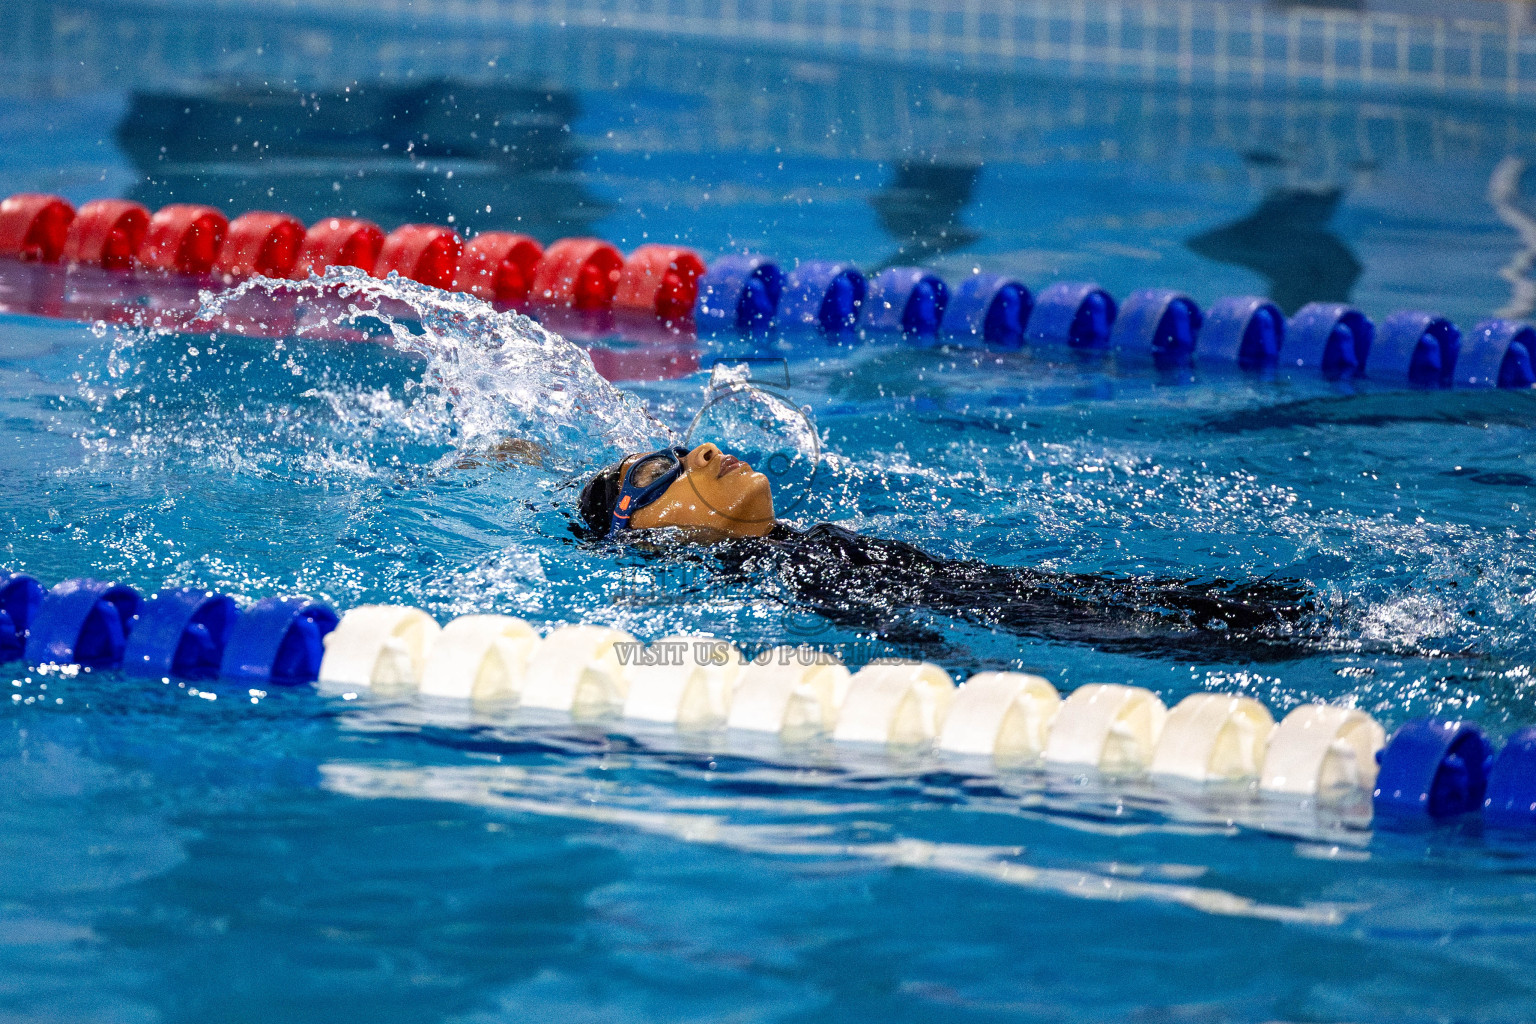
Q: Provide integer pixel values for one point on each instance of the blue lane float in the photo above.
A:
(990, 308)
(278, 641)
(1432, 769)
(1075, 314)
(1246, 329)
(908, 300)
(1159, 321)
(83, 622)
(1498, 353)
(20, 598)
(1511, 798)
(739, 293)
(1425, 343)
(822, 296)
(1331, 337)
(181, 633)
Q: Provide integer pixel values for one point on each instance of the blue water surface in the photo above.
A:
(180, 852)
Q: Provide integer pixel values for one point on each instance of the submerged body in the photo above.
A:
(898, 594)
(893, 591)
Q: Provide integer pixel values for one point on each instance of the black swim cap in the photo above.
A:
(598, 496)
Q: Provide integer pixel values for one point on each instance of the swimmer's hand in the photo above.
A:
(504, 454)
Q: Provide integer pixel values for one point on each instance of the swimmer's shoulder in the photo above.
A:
(829, 539)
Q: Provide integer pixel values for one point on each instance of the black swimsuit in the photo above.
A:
(891, 591)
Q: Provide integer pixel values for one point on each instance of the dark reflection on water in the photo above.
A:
(920, 208)
(476, 156)
(1287, 241)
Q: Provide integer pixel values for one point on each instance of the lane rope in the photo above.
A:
(673, 288)
(1427, 770)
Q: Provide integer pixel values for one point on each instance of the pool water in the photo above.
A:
(189, 852)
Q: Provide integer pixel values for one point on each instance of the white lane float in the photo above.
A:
(479, 658)
(796, 692)
(1320, 747)
(1004, 715)
(1107, 726)
(380, 647)
(687, 681)
(792, 691)
(900, 704)
(1213, 737)
(578, 669)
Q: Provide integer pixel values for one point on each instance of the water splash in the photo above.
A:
(759, 422)
(490, 375)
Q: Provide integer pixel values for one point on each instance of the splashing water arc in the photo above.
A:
(490, 375)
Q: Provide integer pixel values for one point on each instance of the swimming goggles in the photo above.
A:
(661, 469)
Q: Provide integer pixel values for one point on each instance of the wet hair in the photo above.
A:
(598, 496)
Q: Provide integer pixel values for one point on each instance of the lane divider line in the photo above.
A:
(1427, 770)
(738, 293)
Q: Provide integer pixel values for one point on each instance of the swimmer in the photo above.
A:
(891, 590)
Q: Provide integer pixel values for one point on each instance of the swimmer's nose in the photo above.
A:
(702, 456)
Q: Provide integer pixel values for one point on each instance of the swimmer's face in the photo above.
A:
(717, 495)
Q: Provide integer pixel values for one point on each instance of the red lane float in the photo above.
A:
(427, 253)
(500, 266)
(339, 242)
(184, 243)
(660, 279)
(183, 238)
(33, 227)
(106, 233)
(261, 243)
(582, 273)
